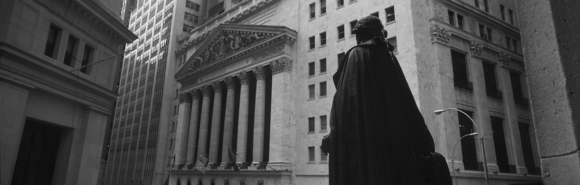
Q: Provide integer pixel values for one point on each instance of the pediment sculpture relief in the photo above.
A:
(225, 43)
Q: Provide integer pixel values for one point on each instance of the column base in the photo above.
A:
(223, 166)
(277, 165)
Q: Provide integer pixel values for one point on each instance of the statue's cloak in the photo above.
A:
(377, 131)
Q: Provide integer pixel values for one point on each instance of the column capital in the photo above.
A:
(229, 82)
(217, 87)
(194, 95)
(283, 64)
(504, 59)
(205, 90)
(259, 72)
(184, 97)
(475, 48)
(243, 76)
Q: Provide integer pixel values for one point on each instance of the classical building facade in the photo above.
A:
(58, 74)
(256, 88)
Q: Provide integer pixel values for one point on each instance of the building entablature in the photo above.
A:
(230, 43)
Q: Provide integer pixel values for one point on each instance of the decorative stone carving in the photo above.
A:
(472, 26)
(283, 64)
(225, 43)
(184, 97)
(205, 90)
(268, 53)
(217, 87)
(439, 13)
(475, 47)
(504, 59)
(229, 82)
(243, 76)
(439, 34)
(259, 72)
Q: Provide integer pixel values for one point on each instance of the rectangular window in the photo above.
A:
(174, 109)
(482, 32)
(460, 70)
(515, 42)
(323, 122)
(322, 7)
(490, 80)
(486, 5)
(322, 89)
(339, 3)
(311, 155)
(352, 25)
(323, 157)
(468, 144)
(311, 124)
(489, 33)
(340, 56)
(476, 3)
(460, 21)
(376, 14)
(312, 42)
(87, 59)
(527, 149)
(340, 30)
(502, 11)
(393, 41)
(511, 13)
(390, 13)
(508, 42)
(451, 17)
(323, 65)
(517, 89)
(51, 47)
(500, 147)
(311, 91)
(311, 69)
(70, 48)
(323, 38)
(312, 11)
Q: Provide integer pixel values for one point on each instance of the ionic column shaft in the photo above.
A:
(204, 127)
(182, 128)
(280, 114)
(215, 124)
(243, 119)
(259, 113)
(191, 144)
(228, 122)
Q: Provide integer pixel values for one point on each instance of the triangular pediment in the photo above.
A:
(229, 41)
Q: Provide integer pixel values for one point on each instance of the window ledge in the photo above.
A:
(322, 131)
(312, 132)
(310, 76)
(312, 18)
(311, 162)
(312, 49)
(351, 1)
(340, 7)
(322, 14)
(322, 46)
(389, 23)
(323, 162)
(341, 39)
(310, 99)
(322, 73)
(322, 97)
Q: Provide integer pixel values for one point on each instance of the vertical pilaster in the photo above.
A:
(259, 114)
(204, 122)
(193, 123)
(215, 123)
(243, 118)
(228, 121)
(280, 113)
(182, 131)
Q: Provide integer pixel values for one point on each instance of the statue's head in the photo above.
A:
(367, 28)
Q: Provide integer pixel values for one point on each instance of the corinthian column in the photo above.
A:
(203, 128)
(259, 114)
(280, 114)
(183, 127)
(191, 144)
(243, 118)
(228, 121)
(215, 123)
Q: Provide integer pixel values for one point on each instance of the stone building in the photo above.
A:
(255, 87)
(58, 74)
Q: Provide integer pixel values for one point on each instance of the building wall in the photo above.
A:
(38, 87)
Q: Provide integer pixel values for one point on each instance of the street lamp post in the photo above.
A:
(437, 112)
(453, 154)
